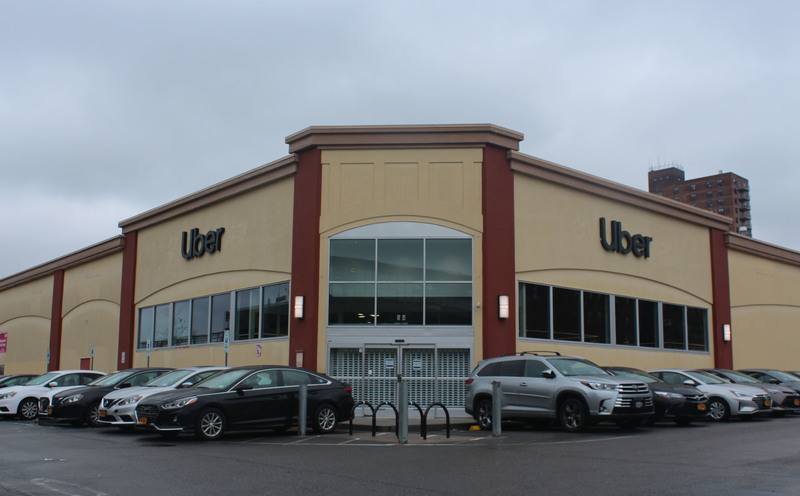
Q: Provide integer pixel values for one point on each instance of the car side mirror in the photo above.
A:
(689, 382)
(125, 385)
(549, 374)
(185, 385)
(774, 381)
(241, 389)
(52, 384)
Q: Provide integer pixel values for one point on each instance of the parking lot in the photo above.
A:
(758, 457)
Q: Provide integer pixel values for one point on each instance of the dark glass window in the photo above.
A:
(161, 334)
(400, 259)
(674, 335)
(200, 320)
(511, 368)
(566, 314)
(352, 260)
(448, 260)
(697, 320)
(534, 311)
(275, 311)
(351, 304)
(625, 316)
(399, 304)
(596, 318)
(180, 323)
(147, 319)
(220, 316)
(247, 314)
(648, 324)
(448, 304)
(534, 368)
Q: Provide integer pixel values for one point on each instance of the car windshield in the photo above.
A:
(705, 377)
(223, 380)
(576, 366)
(783, 376)
(739, 377)
(42, 379)
(170, 378)
(112, 379)
(636, 374)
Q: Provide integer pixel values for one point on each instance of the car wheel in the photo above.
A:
(718, 410)
(324, 419)
(483, 414)
(28, 409)
(93, 415)
(572, 415)
(210, 425)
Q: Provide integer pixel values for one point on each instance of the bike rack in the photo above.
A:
(423, 416)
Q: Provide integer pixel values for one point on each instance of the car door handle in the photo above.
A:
(523, 383)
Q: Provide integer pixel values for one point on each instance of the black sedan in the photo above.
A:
(80, 405)
(680, 403)
(252, 397)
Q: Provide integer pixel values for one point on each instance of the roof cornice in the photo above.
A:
(234, 186)
(403, 136)
(571, 178)
(762, 249)
(93, 252)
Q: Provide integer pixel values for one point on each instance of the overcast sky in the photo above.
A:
(111, 108)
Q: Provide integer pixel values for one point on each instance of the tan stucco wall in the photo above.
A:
(557, 237)
(90, 313)
(256, 250)
(435, 186)
(25, 316)
(273, 352)
(765, 312)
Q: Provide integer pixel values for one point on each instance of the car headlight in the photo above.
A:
(600, 385)
(179, 403)
(130, 400)
(72, 399)
(742, 395)
(7, 395)
(772, 391)
(669, 396)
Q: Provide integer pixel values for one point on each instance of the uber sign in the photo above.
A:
(622, 241)
(199, 244)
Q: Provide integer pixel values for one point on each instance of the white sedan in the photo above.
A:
(24, 400)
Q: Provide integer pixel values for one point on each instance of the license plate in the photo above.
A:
(50, 411)
(796, 402)
(701, 406)
(101, 413)
(639, 404)
(142, 420)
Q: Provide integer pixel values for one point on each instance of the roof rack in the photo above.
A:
(537, 353)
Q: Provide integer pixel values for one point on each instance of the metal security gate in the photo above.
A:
(433, 374)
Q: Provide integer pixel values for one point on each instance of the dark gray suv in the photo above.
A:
(546, 385)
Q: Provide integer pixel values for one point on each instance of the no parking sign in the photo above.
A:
(258, 349)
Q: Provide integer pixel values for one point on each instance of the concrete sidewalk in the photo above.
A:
(388, 422)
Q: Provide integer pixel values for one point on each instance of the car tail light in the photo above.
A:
(348, 389)
(470, 381)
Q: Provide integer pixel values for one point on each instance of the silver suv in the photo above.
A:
(546, 385)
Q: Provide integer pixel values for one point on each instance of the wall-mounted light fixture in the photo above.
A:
(726, 332)
(298, 307)
(502, 310)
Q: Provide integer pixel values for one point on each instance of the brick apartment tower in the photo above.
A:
(725, 193)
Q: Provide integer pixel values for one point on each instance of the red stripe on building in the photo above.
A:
(127, 308)
(305, 258)
(721, 308)
(55, 321)
(499, 335)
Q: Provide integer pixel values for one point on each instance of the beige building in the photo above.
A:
(372, 252)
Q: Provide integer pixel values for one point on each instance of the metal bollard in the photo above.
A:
(302, 410)
(402, 410)
(497, 400)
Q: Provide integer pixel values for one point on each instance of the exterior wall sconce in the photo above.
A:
(298, 307)
(502, 309)
(726, 332)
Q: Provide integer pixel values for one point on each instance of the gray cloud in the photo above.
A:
(112, 108)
